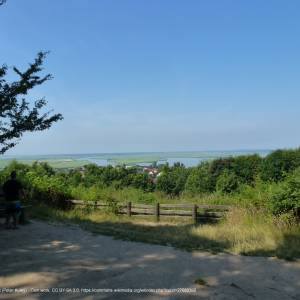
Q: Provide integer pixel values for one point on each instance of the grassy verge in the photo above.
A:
(246, 232)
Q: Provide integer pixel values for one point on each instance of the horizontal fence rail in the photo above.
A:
(197, 212)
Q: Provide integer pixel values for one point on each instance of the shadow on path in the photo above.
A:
(43, 255)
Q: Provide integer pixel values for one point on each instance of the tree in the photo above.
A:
(218, 166)
(143, 182)
(17, 116)
(200, 180)
(172, 179)
(287, 199)
(227, 182)
(247, 167)
(279, 163)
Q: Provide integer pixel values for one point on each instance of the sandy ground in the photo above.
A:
(48, 256)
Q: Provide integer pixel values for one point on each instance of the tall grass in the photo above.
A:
(247, 196)
(255, 232)
(243, 231)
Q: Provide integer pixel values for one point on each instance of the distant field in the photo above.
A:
(69, 161)
(134, 160)
(55, 163)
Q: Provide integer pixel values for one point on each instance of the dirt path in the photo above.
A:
(42, 255)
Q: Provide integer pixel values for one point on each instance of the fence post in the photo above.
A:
(129, 209)
(157, 211)
(195, 213)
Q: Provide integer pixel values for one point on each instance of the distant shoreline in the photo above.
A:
(4, 156)
(142, 159)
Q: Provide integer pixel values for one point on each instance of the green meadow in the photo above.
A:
(54, 163)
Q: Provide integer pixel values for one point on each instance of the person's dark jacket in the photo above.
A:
(12, 189)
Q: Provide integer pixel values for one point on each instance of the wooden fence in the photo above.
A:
(195, 211)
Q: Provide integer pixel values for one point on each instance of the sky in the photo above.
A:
(160, 75)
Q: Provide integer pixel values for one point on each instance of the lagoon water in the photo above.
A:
(189, 159)
(99, 162)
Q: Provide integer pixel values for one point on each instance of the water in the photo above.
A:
(188, 162)
(189, 159)
(99, 162)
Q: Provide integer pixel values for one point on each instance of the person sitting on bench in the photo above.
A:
(12, 190)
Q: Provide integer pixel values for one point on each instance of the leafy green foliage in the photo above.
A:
(278, 163)
(112, 205)
(227, 182)
(142, 181)
(218, 166)
(247, 168)
(287, 200)
(16, 114)
(173, 179)
(209, 177)
(239, 180)
(200, 181)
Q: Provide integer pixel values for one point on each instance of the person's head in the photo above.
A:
(13, 175)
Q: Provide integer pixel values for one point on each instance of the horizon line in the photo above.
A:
(140, 152)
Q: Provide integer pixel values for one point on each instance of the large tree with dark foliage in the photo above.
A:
(17, 115)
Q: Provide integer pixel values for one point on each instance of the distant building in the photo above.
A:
(151, 171)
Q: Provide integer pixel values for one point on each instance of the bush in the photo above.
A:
(49, 189)
(257, 195)
(172, 180)
(112, 205)
(247, 167)
(143, 182)
(21, 170)
(287, 200)
(279, 163)
(227, 183)
(200, 181)
(219, 166)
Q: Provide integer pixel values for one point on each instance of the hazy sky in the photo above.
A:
(160, 75)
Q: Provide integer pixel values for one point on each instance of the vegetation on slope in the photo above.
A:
(265, 193)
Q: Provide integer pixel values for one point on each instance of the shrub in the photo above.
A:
(247, 167)
(278, 163)
(287, 200)
(112, 205)
(200, 181)
(172, 180)
(143, 182)
(49, 189)
(227, 183)
(219, 166)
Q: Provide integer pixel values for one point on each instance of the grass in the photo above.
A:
(256, 233)
(249, 196)
(54, 163)
(246, 232)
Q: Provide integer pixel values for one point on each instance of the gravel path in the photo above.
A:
(48, 256)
